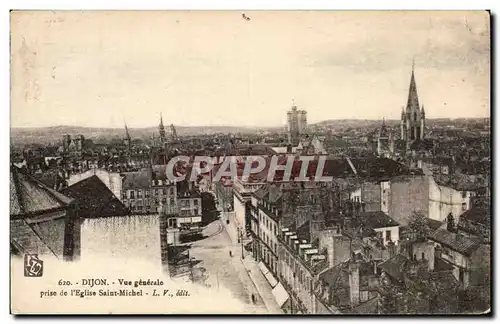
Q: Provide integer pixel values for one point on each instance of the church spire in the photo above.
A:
(412, 104)
(162, 129)
(127, 135)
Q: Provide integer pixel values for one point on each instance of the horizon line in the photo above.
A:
(240, 126)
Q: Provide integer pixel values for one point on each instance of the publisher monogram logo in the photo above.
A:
(33, 266)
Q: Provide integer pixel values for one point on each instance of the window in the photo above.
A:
(464, 194)
(461, 276)
(387, 235)
(131, 194)
(196, 211)
(423, 256)
(156, 192)
(464, 206)
(171, 202)
(164, 191)
(196, 202)
(139, 193)
(172, 191)
(146, 193)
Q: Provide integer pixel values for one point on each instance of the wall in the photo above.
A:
(336, 245)
(443, 201)
(407, 195)
(394, 233)
(128, 237)
(268, 230)
(239, 209)
(385, 193)
(371, 196)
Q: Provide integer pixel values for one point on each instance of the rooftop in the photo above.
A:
(30, 196)
(378, 219)
(94, 199)
(459, 243)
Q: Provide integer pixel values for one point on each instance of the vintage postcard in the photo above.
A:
(257, 162)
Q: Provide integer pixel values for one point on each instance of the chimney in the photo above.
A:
(354, 282)
(437, 251)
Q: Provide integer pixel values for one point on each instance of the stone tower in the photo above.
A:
(412, 118)
(162, 130)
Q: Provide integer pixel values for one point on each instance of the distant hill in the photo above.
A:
(53, 135)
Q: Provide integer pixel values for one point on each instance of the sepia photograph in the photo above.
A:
(265, 162)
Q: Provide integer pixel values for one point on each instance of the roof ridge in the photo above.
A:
(38, 235)
(44, 187)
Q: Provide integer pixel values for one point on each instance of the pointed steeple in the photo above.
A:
(162, 129)
(402, 113)
(383, 129)
(423, 110)
(127, 135)
(412, 104)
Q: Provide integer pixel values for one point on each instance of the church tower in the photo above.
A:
(127, 140)
(412, 118)
(162, 130)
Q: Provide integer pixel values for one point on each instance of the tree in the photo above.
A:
(419, 226)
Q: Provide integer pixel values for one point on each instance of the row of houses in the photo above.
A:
(300, 235)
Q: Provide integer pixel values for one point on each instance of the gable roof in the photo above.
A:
(30, 196)
(94, 199)
(395, 266)
(459, 243)
(378, 219)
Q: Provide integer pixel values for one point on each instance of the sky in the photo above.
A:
(102, 69)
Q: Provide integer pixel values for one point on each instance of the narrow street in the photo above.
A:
(224, 270)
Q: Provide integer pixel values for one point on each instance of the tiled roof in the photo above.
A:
(456, 242)
(337, 278)
(378, 219)
(262, 191)
(246, 150)
(395, 266)
(480, 215)
(434, 224)
(94, 199)
(29, 196)
(26, 239)
(136, 179)
(457, 182)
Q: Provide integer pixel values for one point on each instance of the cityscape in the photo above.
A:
(403, 226)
